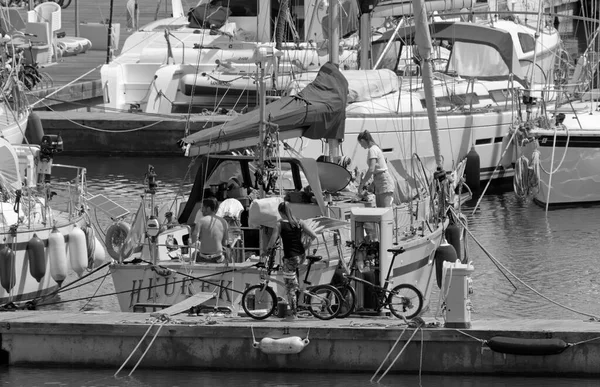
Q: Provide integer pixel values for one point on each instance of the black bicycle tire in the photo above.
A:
(65, 4)
(335, 292)
(352, 293)
(273, 298)
(419, 297)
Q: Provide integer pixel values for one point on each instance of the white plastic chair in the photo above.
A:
(50, 13)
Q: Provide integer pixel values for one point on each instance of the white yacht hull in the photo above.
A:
(575, 177)
(142, 288)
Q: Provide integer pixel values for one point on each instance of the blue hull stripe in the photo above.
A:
(398, 271)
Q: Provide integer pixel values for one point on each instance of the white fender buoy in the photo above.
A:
(77, 250)
(283, 346)
(57, 256)
(99, 254)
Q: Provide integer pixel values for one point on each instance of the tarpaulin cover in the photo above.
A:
(319, 110)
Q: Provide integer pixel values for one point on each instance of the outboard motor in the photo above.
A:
(51, 144)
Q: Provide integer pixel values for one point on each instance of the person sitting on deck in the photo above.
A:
(210, 232)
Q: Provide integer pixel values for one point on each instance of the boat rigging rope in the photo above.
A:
(525, 284)
(526, 180)
(93, 295)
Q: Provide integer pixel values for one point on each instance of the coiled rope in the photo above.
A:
(526, 181)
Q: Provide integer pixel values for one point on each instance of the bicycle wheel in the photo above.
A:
(324, 302)
(405, 301)
(348, 300)
(259, 301)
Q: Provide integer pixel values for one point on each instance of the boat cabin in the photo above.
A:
(297, 180)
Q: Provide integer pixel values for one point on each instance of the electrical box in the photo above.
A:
(456, 288)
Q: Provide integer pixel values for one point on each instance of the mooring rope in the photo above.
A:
(135, 349)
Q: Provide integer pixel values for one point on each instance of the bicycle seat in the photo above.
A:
(397, 250)
(314, 258)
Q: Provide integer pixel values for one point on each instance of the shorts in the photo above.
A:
(210, 258)
(383, 183)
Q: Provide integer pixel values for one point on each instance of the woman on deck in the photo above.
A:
(377, 167)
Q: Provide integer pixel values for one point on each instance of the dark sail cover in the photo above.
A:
(319, 110)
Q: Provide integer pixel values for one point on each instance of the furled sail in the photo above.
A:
(316, 112)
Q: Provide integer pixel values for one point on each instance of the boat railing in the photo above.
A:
(66, 190)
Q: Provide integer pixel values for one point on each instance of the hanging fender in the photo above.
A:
(283, 346)
(527, 347)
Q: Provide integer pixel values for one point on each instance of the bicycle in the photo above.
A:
(259, 301)
(404, 301)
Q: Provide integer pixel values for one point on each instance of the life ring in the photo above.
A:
(115, 238)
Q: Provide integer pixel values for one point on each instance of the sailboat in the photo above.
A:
(14, 107)
(160, 273)
(559, 141)
(160, 270)
(190, 62)
(44, 233)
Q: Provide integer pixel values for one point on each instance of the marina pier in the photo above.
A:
(107, 339)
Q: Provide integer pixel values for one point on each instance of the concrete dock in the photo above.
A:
(106, 339)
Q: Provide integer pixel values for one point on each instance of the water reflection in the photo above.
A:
(59, 377)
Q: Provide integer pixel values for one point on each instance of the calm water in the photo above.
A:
(555, 253)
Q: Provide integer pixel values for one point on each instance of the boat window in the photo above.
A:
(242, 7)
(285, 180)
(170, 27)
(527, 42)
(227, 172)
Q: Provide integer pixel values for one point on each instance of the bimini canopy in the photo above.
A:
(478, 51)
(316, 112)
(390, 8)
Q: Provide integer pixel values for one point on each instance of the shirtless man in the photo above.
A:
(211, 232)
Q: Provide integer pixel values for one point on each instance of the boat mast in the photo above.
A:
(423, 41)
(262, 126)
(110, 32)
(334, 57)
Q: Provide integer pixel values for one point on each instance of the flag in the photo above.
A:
(135, 239)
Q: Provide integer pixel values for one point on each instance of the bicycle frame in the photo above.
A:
(382, 291)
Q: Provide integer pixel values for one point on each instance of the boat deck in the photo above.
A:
(357, 343)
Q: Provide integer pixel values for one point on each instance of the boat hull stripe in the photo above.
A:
(402, 270)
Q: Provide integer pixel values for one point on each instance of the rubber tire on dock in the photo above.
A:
(414, 310)
(266, 292)
(332, 309)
